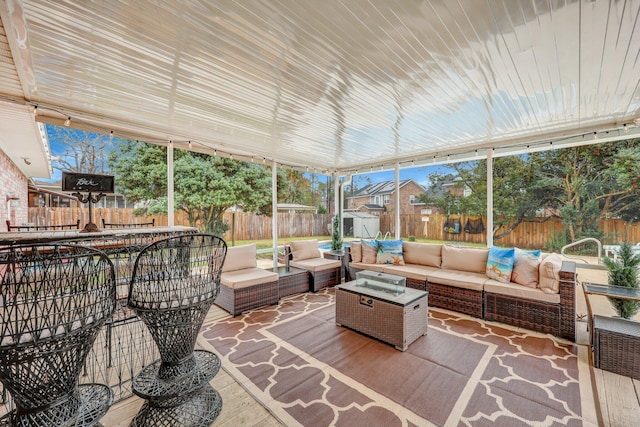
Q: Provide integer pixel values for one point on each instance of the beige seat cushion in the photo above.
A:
(240, 257)
(422, 253)
(370, 267)
(465, 258)
(410, 271)
(304, 249)
(316, 264)
(460, 279)
(519, 291)
(247, 277)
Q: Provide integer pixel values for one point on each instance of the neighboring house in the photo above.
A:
(380, 198)
(456, 187)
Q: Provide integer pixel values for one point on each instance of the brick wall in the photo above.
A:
(12, 182)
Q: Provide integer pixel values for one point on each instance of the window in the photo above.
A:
(426, 211)
(412, 199)
(386, 199)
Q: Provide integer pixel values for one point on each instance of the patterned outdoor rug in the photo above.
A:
(308, 371)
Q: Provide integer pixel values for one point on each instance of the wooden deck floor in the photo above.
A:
(619, 396)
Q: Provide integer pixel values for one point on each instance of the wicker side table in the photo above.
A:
(292, 281)
(616, 345)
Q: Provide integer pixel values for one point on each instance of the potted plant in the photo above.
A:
(624, 272)
(336, 238)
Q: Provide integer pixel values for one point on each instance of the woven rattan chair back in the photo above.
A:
(174, 284)
(54, 300)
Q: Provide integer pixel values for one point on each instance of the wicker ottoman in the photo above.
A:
(395, 319)
(616, 345)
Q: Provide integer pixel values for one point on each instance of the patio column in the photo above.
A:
(274, 216)
(170, 192)
(490, 197)
(397, 201)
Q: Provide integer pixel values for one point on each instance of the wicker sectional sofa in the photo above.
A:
(456, 279)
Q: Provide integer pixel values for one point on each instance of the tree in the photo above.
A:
(518, 194)
(81, 151)
(205, 186)
(579, 184)
(592, 182)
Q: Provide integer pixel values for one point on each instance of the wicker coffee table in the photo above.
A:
(397, 319)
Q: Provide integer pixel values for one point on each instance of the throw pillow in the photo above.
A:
(550, 274)
(525, 267)
(304, 249)
(390, 252)
(500, 264)
(356, 251)
(369, 251)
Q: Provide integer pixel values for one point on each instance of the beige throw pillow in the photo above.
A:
(526, 268)
(369, 251)
(305, 249)
(356, 251)
(550, 274)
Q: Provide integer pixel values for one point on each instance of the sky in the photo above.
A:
(420, 174)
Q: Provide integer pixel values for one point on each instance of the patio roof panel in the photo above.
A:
(333, 85)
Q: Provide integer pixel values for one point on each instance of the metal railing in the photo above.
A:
(579, 242)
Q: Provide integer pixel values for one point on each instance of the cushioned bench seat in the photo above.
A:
(244, 286)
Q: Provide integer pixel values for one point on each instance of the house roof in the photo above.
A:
(336, 86)
(381, 188)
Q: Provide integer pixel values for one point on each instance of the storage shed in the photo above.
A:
(361, 224)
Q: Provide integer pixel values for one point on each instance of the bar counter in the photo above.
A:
(79, 237)
(124, 346)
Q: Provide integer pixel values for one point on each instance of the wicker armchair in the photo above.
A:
(174, 283)
(54, 300)
(305, 255)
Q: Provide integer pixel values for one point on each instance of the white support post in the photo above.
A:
(397, 201)
(170, 189)
(489, 197)
(274, 210)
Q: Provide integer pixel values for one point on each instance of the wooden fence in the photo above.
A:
(534, 233)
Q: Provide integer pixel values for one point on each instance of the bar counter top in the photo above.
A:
(30, 237)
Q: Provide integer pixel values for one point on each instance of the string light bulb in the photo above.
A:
(111, 135)
(35, 110)
(67, 122)
(189, 145)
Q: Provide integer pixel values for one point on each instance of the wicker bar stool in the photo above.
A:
(54, 300)
(174, 283)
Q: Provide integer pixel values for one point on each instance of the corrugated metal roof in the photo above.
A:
(332, 85)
